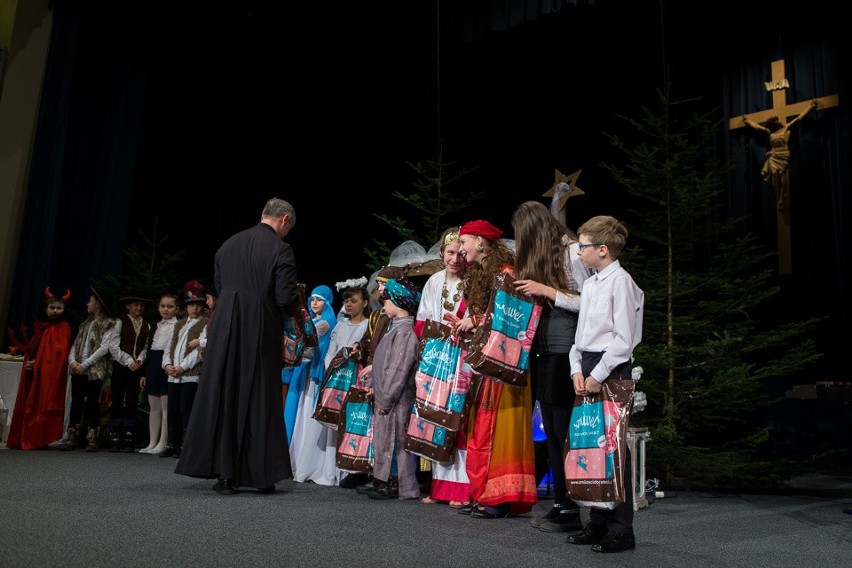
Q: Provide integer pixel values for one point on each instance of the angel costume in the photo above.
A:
(314, 449)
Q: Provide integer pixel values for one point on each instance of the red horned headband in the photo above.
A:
(65, 296)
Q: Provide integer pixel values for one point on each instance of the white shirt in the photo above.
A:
(85, 358)
(163, 334)
(202, 339)
(610, 320)
(432, 301)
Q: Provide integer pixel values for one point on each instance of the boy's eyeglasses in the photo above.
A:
(584, 247)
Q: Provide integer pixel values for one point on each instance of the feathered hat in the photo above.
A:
(193, 293)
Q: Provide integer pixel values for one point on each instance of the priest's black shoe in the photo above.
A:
(589, 535)
(499, 512)
(225, 487)
(615, 542)
(267, 490)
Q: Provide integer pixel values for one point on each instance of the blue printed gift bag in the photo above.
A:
(502, 344)
(596, 447)
(429, 440)
(339, 378)
(299, 332)
(443, 380)
(355, 432)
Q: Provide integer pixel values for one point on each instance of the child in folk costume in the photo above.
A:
(210, 296)
(155, 381)
(128, 348)
(392, 383)
(182, 364)
(90, 364)
(39, 412)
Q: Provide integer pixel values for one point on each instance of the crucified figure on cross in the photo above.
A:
(776, 166)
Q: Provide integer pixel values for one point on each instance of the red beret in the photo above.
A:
(481, 229)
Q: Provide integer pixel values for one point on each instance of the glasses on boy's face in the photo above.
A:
(587, 245)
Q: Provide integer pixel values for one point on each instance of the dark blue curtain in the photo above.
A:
(84, 158)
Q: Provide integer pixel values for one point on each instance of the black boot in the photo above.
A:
(70, 442)
(353, 480)
(114, 440)
(367, 487)
(385, 489)
(129, 441)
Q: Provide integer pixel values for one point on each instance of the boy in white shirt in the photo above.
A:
(608, 330)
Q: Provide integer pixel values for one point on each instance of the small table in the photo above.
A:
(10, 376)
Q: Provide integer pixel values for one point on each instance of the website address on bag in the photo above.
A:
(590, 481)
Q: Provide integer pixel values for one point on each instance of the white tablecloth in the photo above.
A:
(10, 376)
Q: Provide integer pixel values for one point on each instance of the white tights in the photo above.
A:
(158, 422)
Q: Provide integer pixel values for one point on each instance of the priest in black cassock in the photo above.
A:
(236, 428)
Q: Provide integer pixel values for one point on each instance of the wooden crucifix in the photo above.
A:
(776, 166)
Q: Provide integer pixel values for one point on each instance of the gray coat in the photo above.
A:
(394, 366)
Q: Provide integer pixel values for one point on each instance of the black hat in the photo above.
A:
(99, 298)
(131, 297)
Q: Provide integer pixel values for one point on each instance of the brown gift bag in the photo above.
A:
(595, 450)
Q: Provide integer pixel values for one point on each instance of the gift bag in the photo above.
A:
(429, 440)
(355, 433)
(596, 445)
(299, 333)
(501, 345)
(339, 377)
(292, 343)
(443, 379)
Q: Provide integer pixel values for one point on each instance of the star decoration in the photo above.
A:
(570, 180)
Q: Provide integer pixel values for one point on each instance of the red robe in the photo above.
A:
(40, 406)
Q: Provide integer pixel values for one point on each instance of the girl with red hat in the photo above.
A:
(500, 453)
